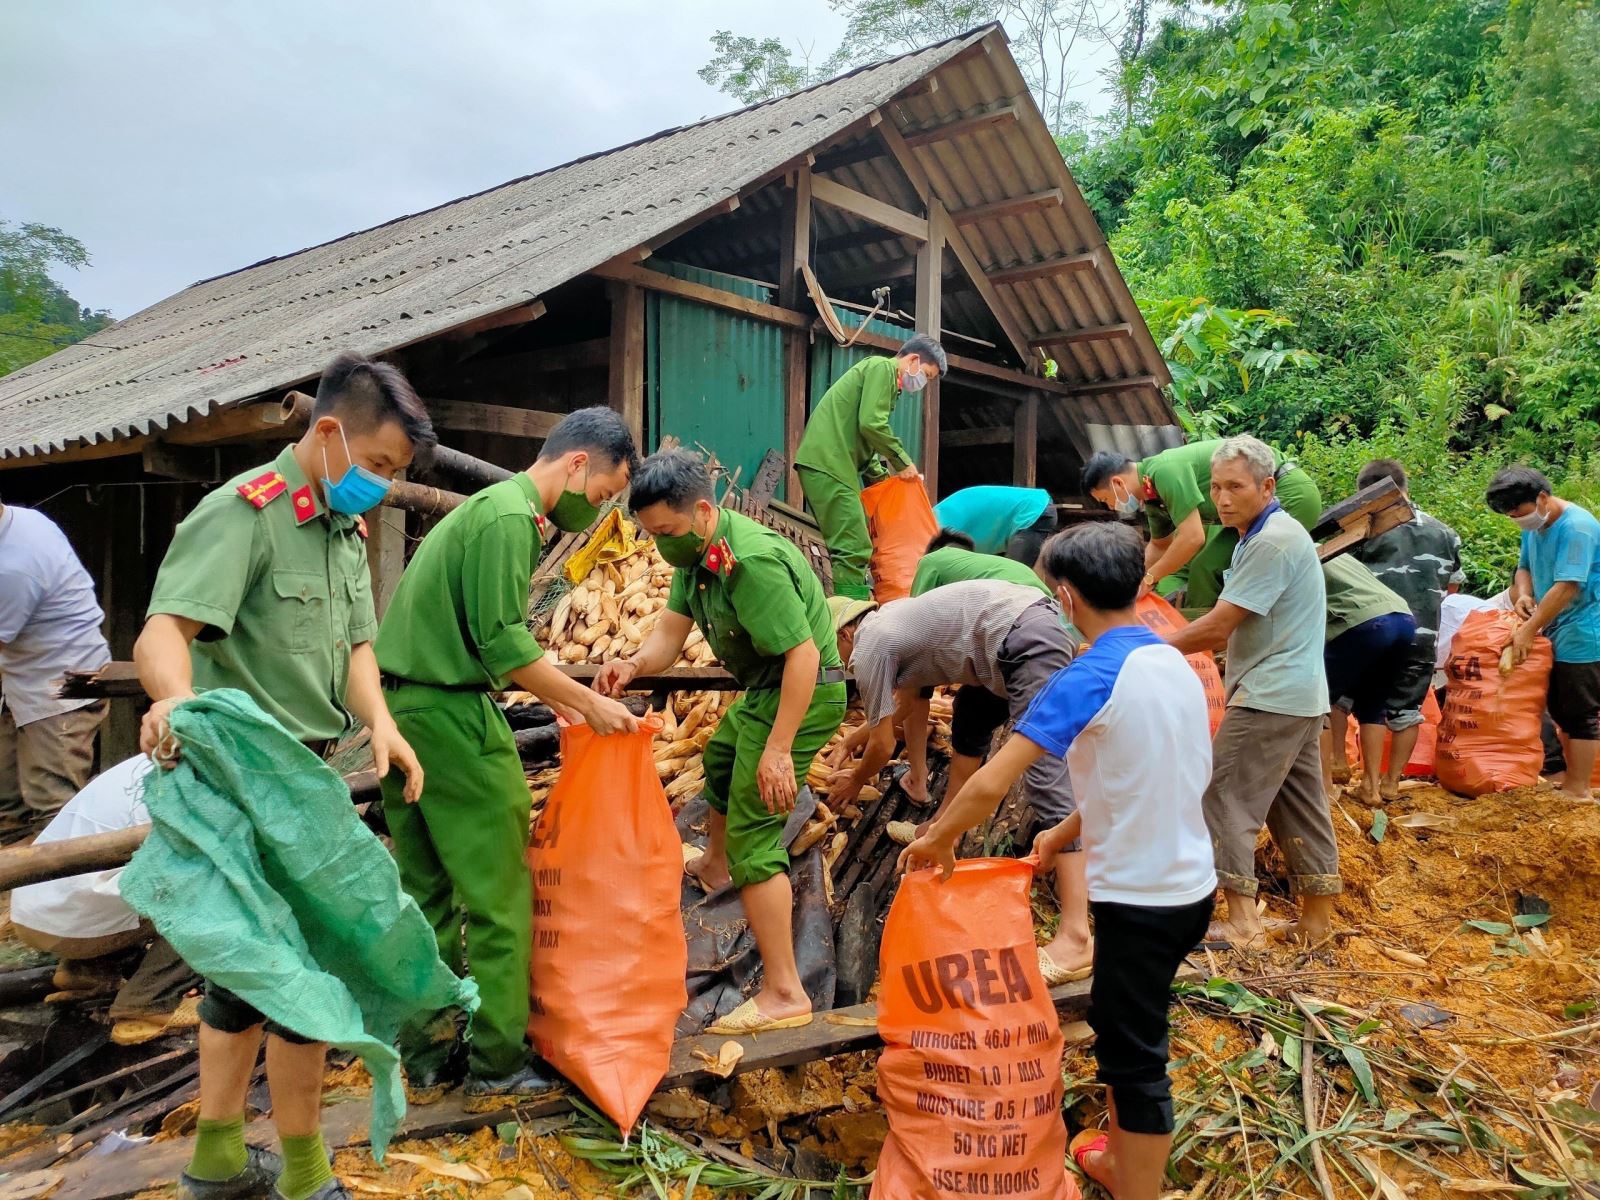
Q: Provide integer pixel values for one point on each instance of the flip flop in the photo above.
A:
(747, 1019)
(1089, 1141)
(1055, 974)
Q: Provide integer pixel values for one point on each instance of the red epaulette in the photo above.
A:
(305, 507)
(361, 527)
(269, 485)
(1150, 493)
(719, 558)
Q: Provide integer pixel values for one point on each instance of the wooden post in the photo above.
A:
(794, 251)
(627, 358)
(1025, 443)
(386, 553)
(930, 298)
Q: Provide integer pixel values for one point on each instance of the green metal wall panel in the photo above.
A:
(829, 360)
(714, 378)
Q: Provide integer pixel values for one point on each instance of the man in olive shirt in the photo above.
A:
(457, 630)
(950, 558)
(265, 589)
(1173, 488)
(762, 610)
(846, 436)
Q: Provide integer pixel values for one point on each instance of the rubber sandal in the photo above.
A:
(1055, 974)
(1088, 1141)
(747, 1019)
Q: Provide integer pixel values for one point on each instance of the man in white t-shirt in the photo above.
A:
(1129, 717)
(49, 625)
(84, 921)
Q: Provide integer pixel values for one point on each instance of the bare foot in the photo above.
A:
(1340, 771)
(781, 1005)
(1367, 793)
(1389, 790)
(1243, 936)
(711, 876)
(1335, 793)
(1583, 794)
(1310, 934)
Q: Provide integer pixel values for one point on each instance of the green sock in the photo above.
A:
(218, 1150)
(305, 1166)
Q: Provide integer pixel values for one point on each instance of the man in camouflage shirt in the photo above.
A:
(1421, 560)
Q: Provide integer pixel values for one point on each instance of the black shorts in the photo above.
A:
(1377, 671)
(227, 1013)
(1574, 699)
(975, 714)
(1137, 953)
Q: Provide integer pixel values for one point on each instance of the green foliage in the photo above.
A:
(1211, 348)
(37, 317)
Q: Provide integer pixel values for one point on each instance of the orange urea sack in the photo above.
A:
(609, 955)
(1422, 757)
(1489, 734)
(901, 521)
(970, 1075)
(1161, 617)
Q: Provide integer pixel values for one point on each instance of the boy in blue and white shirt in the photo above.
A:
(1129, 716)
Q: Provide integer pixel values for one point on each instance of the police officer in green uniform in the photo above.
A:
(457, 630)
(951, 558)
(1174, 489)
(762, 610)
(265, 588)
(848, 437)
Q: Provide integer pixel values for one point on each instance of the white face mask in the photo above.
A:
(1127, 506)
(913, 381)
(1532, 522)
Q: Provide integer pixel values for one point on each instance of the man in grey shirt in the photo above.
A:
(1266, 760)
(49, 625)
(999, 642)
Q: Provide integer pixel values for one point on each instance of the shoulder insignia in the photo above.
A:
(361, 527)
(264, 487)
(304, 506)
(719, 558)
(540, 521)
(1150, 493)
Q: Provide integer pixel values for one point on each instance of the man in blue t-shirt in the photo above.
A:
(1557, 590)
(1129, 717)
(1011, 521)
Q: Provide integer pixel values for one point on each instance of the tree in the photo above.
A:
(37, 317)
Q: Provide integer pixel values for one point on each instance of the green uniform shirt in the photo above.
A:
(460, 615)
(281, 585)
(755, 599)
(952, 564)
(1181, 478)
(1356, 595)
(851, 423)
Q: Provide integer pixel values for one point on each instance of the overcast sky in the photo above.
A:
(179, 139)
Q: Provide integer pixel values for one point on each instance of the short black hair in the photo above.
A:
(364, 394)
(925, 348)
(599, 430)
(1102, 465)
(950, 537)
(1382, 468)
(676, 478)
(1512, 487)
(1102, 560)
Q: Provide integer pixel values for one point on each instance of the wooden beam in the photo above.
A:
(794, 238)
(1089, 333)
(197, 464)
(1025, 443)
(1127, 383)
(930, 321)
(720, 209)
(656, 281)
(986, 435)
(964, 126)
(467, 468)
(1014, 206)
(574, 356)
(521, 314)
(246, 422)
(926, 86)
(869, 208)
(625, 383)
(501, 419)
(1086, 261)
(847, 156)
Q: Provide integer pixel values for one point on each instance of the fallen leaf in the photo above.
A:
(839, 1018)
(1389, 1189)
(1424, 1016)
(1422, 820)
(1401, 956)
(521, 1192)
(727, 1058)
(465, 1172)
(30, 1186)
(359, 1183)
(1482, 1185)
(1076, 1033)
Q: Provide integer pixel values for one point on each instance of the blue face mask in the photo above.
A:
(358, 490)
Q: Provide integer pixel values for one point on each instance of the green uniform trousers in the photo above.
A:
(732, 756)
(837, 507)
(462, 846)
(1300, 499)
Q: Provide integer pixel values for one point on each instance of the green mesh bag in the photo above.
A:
(262, 877)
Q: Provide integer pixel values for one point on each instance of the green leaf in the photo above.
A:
(1573, 1011)
(1368, 1026)
(1497, 928)
(1292, 1048)
(1537, 1179)
(1362, 1070)
(508, 1131)
(1395, 1118)
(1530, 920)
(1380, 825)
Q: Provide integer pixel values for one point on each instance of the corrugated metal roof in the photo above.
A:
(275, 324)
